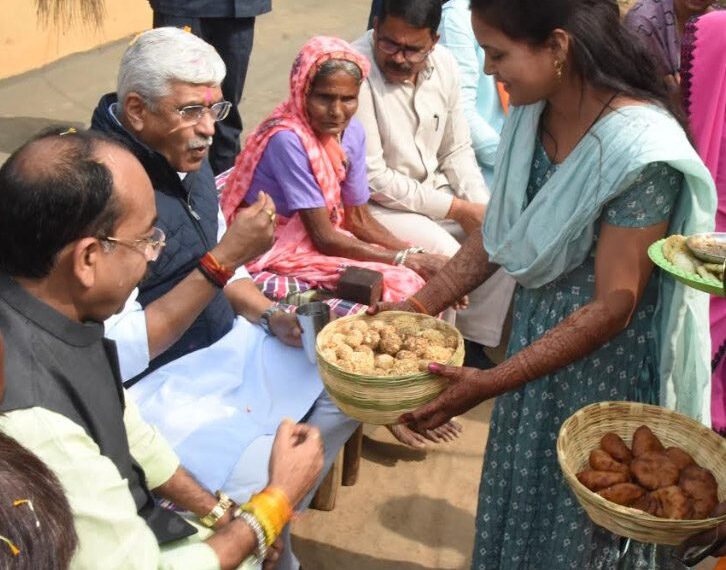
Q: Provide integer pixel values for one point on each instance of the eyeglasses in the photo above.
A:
(413, 55)
(150, 246)
(194, 113)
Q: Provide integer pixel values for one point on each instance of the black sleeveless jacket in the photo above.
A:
(68, 368)
(187, 212)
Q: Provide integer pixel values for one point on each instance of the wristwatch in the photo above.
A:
(223, 505)
(266, 316)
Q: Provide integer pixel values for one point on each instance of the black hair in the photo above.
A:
(54, 190)
(416, 13)
(604, 53)
(42, 529)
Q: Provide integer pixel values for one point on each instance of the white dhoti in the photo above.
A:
(219, 407)
(213, 403)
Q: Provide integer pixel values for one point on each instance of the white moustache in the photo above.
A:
(199, 143)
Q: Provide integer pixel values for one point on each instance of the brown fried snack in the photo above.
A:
(645, 440)
(654, 470)
(615, 446)
(673, 503)
(597, 480)
(602, 461)
(679, 457)
(701, 486)
(623, 493)
(647, 503)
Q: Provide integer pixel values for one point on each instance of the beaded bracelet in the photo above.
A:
(214, 271)
(272, 509)
(254, 524)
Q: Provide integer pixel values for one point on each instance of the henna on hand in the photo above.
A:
(580, 334)
(468, 269)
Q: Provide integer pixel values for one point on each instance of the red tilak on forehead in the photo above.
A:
(208, 95)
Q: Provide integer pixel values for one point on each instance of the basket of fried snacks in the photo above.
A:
(375, 368)
(675, 257)
(642, 471)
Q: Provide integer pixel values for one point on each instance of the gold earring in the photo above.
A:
(14, 550)
(558, 65)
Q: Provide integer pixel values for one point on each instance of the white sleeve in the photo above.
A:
(456, 155)
(128, 330)
(389, 187)
(241, 272)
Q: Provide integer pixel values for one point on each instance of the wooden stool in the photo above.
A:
(343, 471)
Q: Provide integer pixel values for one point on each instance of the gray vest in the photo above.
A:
(68, 368)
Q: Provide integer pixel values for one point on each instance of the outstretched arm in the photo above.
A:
(622, 269)
(464, 272)
(331, 242)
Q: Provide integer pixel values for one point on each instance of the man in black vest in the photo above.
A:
(229, 26)
(231, 380)
(77, 233)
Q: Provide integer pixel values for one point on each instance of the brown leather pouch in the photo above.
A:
(360, 285)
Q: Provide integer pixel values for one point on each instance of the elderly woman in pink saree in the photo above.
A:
(309, 156)
(703, 76)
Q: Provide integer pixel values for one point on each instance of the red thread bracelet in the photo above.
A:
(217, 273)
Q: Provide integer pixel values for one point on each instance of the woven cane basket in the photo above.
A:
(581, 433)
(382, 399)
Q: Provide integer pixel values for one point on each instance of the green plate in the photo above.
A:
(712, 286)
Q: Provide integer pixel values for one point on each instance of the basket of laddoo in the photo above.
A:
(643, 471)
(375, 368)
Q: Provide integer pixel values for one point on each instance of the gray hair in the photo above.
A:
(332, 66)
(158, 57)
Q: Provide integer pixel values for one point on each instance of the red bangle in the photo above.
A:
(217, 273)
(418, 305)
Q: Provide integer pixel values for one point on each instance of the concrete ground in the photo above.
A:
(410, 510)
(67, 91)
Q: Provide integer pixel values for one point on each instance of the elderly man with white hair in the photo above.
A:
(210, 361)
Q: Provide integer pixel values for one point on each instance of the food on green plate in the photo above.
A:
(677, 253)
(708, 244)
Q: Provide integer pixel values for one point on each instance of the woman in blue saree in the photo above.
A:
(592, 168)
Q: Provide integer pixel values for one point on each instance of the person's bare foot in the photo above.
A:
(445, 433)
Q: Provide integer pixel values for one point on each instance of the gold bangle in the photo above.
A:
(223, 505)
(271, 532)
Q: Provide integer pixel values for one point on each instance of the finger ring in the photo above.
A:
(272, 215)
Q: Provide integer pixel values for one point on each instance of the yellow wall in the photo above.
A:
(27, 44)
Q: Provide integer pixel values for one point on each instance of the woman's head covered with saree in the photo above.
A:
(321, 55)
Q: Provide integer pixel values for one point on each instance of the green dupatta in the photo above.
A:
(554, 234)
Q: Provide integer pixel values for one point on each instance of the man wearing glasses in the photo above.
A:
(215, 384)
(229, 26)
(77, 233)
(425, 183)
